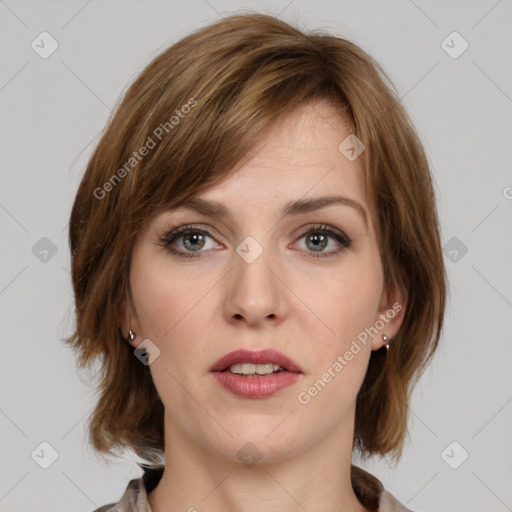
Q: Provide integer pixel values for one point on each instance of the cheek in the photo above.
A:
(161, 301)
(346, 299)
(348, 307)
(172, 312)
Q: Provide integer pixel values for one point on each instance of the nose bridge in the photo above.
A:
(255, 291)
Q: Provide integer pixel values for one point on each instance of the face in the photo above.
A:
(306, 282)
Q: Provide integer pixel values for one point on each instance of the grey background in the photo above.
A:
(52, 111)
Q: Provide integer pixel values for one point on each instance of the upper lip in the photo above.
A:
(255, 357)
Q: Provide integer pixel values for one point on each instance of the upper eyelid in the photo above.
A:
(205, 227)
(181, 230)
(169, 238)
(184, 228)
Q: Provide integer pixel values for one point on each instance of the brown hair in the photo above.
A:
(209, 97)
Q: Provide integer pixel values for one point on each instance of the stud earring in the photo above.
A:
(386, 339)
(131, 335)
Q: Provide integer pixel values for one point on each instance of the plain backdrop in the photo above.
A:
(458, 90)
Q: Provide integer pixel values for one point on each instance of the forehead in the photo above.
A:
(298, 157)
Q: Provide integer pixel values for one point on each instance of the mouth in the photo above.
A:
(253, 370)
(255, 375)
(255, 364)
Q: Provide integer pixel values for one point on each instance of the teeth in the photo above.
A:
(251, 369)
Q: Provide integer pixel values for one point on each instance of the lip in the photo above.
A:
(258, 386)
(261, 386)
(256, 357)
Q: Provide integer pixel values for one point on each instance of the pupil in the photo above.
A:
(194, 237)
(321, 239)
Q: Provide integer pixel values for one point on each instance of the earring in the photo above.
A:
(385, 338)
(131, 335)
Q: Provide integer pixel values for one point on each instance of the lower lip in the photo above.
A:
(261, 386)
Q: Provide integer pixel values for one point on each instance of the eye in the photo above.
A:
(189, 239)
(317, 238)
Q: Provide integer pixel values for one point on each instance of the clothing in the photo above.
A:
(368, 489)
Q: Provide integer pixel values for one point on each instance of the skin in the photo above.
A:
(196, 310)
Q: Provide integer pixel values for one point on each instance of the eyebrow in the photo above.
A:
(291, 208)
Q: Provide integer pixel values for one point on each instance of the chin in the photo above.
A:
(263, 444)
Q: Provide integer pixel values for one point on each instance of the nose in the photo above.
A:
(255, 290)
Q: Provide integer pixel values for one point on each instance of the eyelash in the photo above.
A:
(168, 238)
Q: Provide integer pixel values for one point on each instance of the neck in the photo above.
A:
(317, 478)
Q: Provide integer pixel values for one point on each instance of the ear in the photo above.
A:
(128, 320)
(390, 315)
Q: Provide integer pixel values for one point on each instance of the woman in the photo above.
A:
(256, 262)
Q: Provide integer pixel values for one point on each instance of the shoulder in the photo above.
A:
(371, 493)
(135, 497)
(388, 503)
(105, 508)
